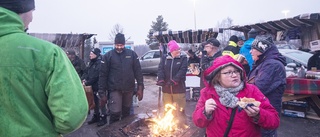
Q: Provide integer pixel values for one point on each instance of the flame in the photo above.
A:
(165, 124)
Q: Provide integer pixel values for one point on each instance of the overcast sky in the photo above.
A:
(136, 16)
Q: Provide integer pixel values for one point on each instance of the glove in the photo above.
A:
(160, 83)
(171, 83)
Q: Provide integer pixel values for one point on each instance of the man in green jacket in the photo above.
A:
(41, 93)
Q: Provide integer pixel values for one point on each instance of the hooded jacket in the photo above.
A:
(245, 50)
(40, 91)
(175, 70)
(243, 125)
(269, 75)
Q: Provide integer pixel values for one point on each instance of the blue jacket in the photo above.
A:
(269, 75)
(245, 51)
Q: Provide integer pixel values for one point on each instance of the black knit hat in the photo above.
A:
(213, 42)
(18, 6)
(96, 51)
(119, 39)
(234, 38)
(262, 43)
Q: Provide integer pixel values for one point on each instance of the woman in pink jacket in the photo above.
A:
(225, 86)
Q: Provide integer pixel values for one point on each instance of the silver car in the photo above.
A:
(295, 59)
(150, 61)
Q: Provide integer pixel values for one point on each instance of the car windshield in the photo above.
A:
(296, 56)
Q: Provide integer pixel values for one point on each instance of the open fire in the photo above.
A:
(169, 124)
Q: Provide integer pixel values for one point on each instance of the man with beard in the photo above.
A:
(120, 68)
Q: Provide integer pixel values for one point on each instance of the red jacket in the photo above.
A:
(243, 125)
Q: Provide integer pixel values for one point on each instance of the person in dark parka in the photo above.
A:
(268, 73)
(91, 78)
(120, 68)
(172, 72)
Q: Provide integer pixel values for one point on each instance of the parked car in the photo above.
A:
(295, 59)
(150, 60)
(286, 46)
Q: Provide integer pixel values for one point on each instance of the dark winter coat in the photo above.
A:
(91, 74)
(79, 65)
(314, 61)
(119, 71)
(174, 69)
(269, 75)
(206, 62)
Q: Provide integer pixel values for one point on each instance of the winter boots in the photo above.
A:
(95, 118)
(103, 120)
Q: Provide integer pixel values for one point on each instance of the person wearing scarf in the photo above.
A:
(225, 86)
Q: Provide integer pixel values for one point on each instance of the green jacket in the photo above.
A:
(40, 92)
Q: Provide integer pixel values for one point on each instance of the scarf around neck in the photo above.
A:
(227, 96)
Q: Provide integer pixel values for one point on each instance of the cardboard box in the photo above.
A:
(296, 103)
(292, 113)
(315, 45)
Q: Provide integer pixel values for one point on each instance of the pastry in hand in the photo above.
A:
(247, 102)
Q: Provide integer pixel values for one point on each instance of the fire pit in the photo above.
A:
(133, 126)
(153, 126)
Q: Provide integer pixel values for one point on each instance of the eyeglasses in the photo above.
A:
(230, 73)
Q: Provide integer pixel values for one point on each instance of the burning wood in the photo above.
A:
(169, 124)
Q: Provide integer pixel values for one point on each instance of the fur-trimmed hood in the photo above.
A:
(220, 63)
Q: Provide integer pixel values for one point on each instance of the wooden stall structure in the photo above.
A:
(66, 41)
(305, 27)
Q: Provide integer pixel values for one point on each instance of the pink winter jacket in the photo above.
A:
(243, 125)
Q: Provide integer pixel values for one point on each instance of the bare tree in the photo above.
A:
(116, 29)
(224, 37)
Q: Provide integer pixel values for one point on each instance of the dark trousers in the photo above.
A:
(119, 104)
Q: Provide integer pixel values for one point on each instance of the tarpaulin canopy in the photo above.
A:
(308, 19)
(188, 36)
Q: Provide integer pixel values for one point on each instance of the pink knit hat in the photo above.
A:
(173, 45)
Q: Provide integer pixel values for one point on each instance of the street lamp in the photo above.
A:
(194, 14)
(285, 12)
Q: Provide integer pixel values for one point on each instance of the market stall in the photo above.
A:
(303, 88)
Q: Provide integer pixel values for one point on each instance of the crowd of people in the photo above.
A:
(43, 95)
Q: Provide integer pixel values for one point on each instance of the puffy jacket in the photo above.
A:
(119, 71)
(173, 69)
(40, 91)
(243, 125)
(91, 74)
(269, 75)
(245, 50)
